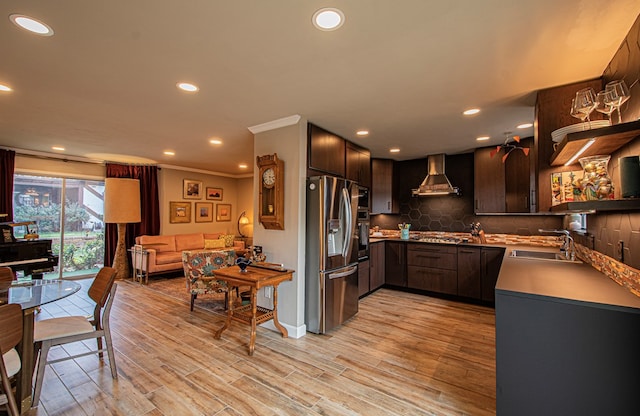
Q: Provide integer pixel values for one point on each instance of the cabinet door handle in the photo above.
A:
(389, 205)
(467, 251)
(427, 257)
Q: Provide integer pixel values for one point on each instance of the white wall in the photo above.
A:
(286, 246)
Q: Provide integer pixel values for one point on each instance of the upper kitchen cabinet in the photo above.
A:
(326, 152)
(358, 164)
(502, 187)
(383, 198)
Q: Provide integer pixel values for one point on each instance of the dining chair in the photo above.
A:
(68, 329)
(6, 274)
(10, 336)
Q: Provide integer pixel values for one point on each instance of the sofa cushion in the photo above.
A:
(228, 239)
(164, 242)
(168, 258)
(189, 242)
(213, 243)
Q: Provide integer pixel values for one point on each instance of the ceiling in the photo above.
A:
(104, 86)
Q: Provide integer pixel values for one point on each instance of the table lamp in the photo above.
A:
(121, 206)
(242, 220)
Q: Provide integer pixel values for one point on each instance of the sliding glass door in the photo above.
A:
(75, 226)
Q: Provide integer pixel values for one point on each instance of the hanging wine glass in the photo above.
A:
(619, 94)
(604, 103)
(585, 103)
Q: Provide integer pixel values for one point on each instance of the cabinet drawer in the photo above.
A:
(439, 257)
(434, 280)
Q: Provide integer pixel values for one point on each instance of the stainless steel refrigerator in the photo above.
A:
(331, 271)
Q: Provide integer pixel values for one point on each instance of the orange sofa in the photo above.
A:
(163, 253)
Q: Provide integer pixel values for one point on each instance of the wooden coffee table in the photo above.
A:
(252, 314)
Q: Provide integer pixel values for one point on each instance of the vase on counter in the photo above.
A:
(596, 183)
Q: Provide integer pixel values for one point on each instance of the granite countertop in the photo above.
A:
(563, 281)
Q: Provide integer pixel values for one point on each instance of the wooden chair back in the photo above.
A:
(7, 275)
(10, 326)
(10, 336)
(101, 286)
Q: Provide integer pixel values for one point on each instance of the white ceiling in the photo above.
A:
(104, 85)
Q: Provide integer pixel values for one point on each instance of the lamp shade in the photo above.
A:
(121, 200)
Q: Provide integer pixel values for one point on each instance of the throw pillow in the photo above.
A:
(213, 244)
(228, 239)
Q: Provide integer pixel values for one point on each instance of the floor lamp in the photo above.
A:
(121, 206)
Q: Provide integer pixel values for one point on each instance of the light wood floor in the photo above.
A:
(403, 354)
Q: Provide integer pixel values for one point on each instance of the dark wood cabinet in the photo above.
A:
(383, 198)
(502, 187)
(432, 267)
(489, 192)
(395, 264)
(358, 164)
(490, 263)
(376, 265)
(326, 152)
(469, 272)
(363, 278)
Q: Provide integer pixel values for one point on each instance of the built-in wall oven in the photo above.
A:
(362, 223)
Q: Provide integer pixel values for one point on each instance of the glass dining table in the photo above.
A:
(31, 294)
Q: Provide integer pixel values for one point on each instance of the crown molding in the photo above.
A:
(275, 124)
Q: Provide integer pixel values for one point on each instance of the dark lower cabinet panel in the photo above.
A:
(363, 277)
(558, 358)
(469, 272)
(434, 280)
(395, 264)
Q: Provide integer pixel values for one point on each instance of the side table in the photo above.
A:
(252, 314)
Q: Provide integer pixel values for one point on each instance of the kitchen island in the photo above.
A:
(567, 340)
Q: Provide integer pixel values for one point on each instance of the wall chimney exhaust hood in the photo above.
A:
(436, 182)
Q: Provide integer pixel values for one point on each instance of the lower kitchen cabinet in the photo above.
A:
(490, 263)
(560, 357)
(363, 277)
(432, 267)
(469, 272)
(395, 264)
(376, 266)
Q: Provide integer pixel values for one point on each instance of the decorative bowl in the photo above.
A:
(242, 263)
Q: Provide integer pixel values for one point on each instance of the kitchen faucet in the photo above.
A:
(568, 246)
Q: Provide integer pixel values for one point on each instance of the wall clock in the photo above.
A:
(271, 199)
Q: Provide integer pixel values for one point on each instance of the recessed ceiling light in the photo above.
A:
(471, 111)
(169, 153)
(242, 165)
(188, 87)
(31, 24)
(58, 148)
(394, 150)
(362, 132)
(5, 88)
(215, 141)
(328, 19)
(525, 125)
(482, 138)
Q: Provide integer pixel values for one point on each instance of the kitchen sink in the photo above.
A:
(541, 255)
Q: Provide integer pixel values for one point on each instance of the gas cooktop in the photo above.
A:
(439, 240)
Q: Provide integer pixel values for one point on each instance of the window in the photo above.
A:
(75, 227)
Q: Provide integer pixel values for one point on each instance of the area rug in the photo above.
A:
(176, 288)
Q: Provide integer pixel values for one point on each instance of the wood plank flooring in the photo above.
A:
(403, 354)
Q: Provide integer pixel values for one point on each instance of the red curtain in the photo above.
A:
(7, 165)
(149, 206)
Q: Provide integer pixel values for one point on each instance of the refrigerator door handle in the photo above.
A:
(346, 200)
(347, 272)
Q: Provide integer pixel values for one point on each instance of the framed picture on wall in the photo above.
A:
(223, 212)
(204, 211)
(179, 212)
(214, 194)
(192, 189)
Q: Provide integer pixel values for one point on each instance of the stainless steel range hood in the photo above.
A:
(436, 182)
